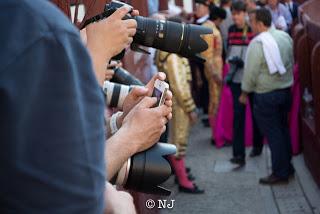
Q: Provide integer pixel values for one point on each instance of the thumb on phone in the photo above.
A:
(148, 102)
(160, 76)
(139, 91)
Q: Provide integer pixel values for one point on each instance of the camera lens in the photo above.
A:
(122, 76)
(183, 39)
(172, 37)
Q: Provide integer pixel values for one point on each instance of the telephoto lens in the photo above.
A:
(122, 76)
(183, 39)
(147, 170)
(172, 37)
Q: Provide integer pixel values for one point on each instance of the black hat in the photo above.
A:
(217, 12)
(205, 2)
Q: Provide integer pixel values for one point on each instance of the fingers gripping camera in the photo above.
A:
(145, 171)
(172, 37)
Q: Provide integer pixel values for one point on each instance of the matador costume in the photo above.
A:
(179, 77)
(213, 68)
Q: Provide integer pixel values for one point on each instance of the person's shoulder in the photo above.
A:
(281, 34)
(255, 45)
(49, 15)
(232, 28)
(215, 29)
(282, 7)
(208, 23)
(25, 22)
(37, 16)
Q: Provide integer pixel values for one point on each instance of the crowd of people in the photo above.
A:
(62, 145)
(251, 53)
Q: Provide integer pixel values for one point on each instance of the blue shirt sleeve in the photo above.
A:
(51, 128)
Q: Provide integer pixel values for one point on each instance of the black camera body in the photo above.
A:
(235, 63)
(172, 37)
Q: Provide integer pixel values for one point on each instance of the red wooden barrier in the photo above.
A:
(307, 52)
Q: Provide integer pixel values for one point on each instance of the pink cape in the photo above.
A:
(223, 130)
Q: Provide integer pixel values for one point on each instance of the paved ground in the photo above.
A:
(236, 191)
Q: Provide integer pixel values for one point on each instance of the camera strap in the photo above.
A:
(98, 17)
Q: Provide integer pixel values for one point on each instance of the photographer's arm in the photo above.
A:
(107, 38)
(118, 150)
(141, 129)
(118, 201)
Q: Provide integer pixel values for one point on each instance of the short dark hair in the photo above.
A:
(263, 15)
(238, 6)
(224, 2)
(217, 12)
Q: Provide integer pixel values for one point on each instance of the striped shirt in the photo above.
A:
(238, 41)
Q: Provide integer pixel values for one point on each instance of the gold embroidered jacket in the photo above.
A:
(213, 55)
(178, 74)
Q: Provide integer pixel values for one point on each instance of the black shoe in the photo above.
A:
(238, 160)
(191, 177)
(213, 142)
(188, 169)
(205, 122)
(194, 190)
(255, 152)
(272, 179)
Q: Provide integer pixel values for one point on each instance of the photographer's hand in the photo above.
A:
(108, 38)
(145, 124)
(141, 129)
(168, 101)
(138, 93)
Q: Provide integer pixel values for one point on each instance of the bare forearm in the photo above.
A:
(118, 150)
(99, 64)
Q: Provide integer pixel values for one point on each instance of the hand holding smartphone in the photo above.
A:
(160, 92)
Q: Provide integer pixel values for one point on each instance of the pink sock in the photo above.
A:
(180, 171)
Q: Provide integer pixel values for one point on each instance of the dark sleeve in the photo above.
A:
(51, 130)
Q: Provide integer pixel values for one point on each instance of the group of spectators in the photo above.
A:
(254, 47)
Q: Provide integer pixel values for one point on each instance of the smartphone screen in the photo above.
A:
(158, 94)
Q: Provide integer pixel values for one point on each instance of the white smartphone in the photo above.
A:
(160, 91)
